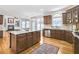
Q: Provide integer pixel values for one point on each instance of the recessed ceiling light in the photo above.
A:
(41, 9)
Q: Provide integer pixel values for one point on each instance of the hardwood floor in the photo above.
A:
(64, 47)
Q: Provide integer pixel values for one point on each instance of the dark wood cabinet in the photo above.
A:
(1, 34)
(75, 14)
(21, 42)
(76, 45)
(64, 17)
(71, 16)
(13, 43)
(58, 34)
(69, 36)
(48, 19)
(36, 37)
(61, 35)
(53, 32)
(1, 19)
(30, 38)
(43, 32)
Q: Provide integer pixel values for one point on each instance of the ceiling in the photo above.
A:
(28, 10)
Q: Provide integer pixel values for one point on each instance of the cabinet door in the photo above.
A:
(1, 34)
(30, 39)
(69, 37)
(69, 16)
(21, 42)
(75, 15)
(13, 42)
(64, 17)
(76, 46)
(36, 37)
(48, 19)
(61, 35)
(1, 19)
(53, 34)
(57, 34)
(44, 32)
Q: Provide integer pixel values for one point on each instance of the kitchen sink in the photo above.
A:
(77, 33)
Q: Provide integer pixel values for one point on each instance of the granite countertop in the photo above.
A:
(74, 34)
(21, 32)
(59, 29)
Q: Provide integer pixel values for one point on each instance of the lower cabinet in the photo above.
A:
(69, 37)
(29, 37)
(36, 37)
(76, 45)
(1, 34)
(66, 36)
(61, 35)
(22, 42)
(53, 32)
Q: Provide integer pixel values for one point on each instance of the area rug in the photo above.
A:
(46, 49)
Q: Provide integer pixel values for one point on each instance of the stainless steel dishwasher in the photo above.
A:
(47, 33)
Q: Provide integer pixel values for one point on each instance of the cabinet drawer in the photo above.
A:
(29, 34)
(21, 35)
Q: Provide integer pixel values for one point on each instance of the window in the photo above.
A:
(57, 21)
(37, 23)
(25, 24)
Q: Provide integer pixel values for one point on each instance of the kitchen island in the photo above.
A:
(22, 40)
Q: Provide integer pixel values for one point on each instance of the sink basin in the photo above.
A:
(77, 33)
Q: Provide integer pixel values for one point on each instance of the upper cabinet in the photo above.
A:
(71, 16)
(1, 19)
(64, 17)
(48, 19)
(75, 14)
